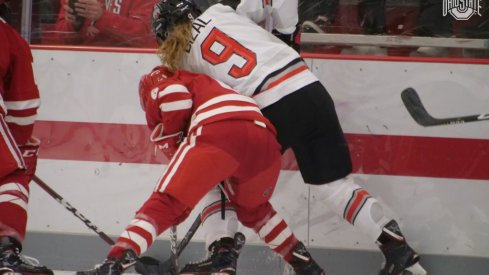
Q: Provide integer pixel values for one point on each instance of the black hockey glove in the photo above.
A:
(291, 39)
(5, 12)
(232, 3)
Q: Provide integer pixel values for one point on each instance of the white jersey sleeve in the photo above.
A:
(255, 10)
(236, 51)
(281, 15)
(285, 15)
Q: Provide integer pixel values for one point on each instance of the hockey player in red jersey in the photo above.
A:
(211, 134)
(19, 100)
(233, 49)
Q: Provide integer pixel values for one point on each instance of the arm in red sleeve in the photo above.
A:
(21, 96)
(168, 115)
(65, 32)
(132, 23)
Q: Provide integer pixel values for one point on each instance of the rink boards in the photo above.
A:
(95, 150)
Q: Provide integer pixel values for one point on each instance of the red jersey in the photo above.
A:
(124, 23)
(19, 96)
(184, 101)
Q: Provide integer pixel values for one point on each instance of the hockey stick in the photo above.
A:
(87, 222)
(72, 209)
(173, 249)
(415, 107)
(146, 266)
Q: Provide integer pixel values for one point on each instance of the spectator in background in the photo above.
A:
(431, 22)
(19, 101)
(478, 30)
(371, 16)
(317, 16)
(119, 23)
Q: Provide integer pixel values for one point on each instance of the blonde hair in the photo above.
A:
(172, 50)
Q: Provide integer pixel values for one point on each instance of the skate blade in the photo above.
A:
(415, 269)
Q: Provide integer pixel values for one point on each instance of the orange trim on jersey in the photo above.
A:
(356, 203)
(286, 76)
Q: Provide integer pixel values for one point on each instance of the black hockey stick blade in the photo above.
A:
(418, 112)
(150, 266)
(416, 109)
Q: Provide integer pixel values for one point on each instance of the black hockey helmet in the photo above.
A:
(5, 10)
(167, 13)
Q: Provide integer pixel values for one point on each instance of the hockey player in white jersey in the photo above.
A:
(231, 47)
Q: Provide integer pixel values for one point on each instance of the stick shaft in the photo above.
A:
(188, 236)
(173, 248)
(72, 209)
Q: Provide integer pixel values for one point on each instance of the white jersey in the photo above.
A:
(238, 52)
(281, 15)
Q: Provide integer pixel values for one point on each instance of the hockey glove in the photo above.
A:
(168, 144)
(30, 151)
(5, 12)
(291, 39)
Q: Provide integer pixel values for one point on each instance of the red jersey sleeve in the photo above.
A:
(65, 33)
(171, 105)
(168, 113)
(132, 22)
(20, 92)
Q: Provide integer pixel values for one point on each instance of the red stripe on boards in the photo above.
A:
(371, 154)
(104, 142)
(437, 157)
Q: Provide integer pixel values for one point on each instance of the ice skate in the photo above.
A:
(113, 266)
(222, 260)
(11, 262)
(400, 258)
(303, 263)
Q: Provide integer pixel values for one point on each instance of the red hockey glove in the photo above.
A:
(168, 144)
(29, 153)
